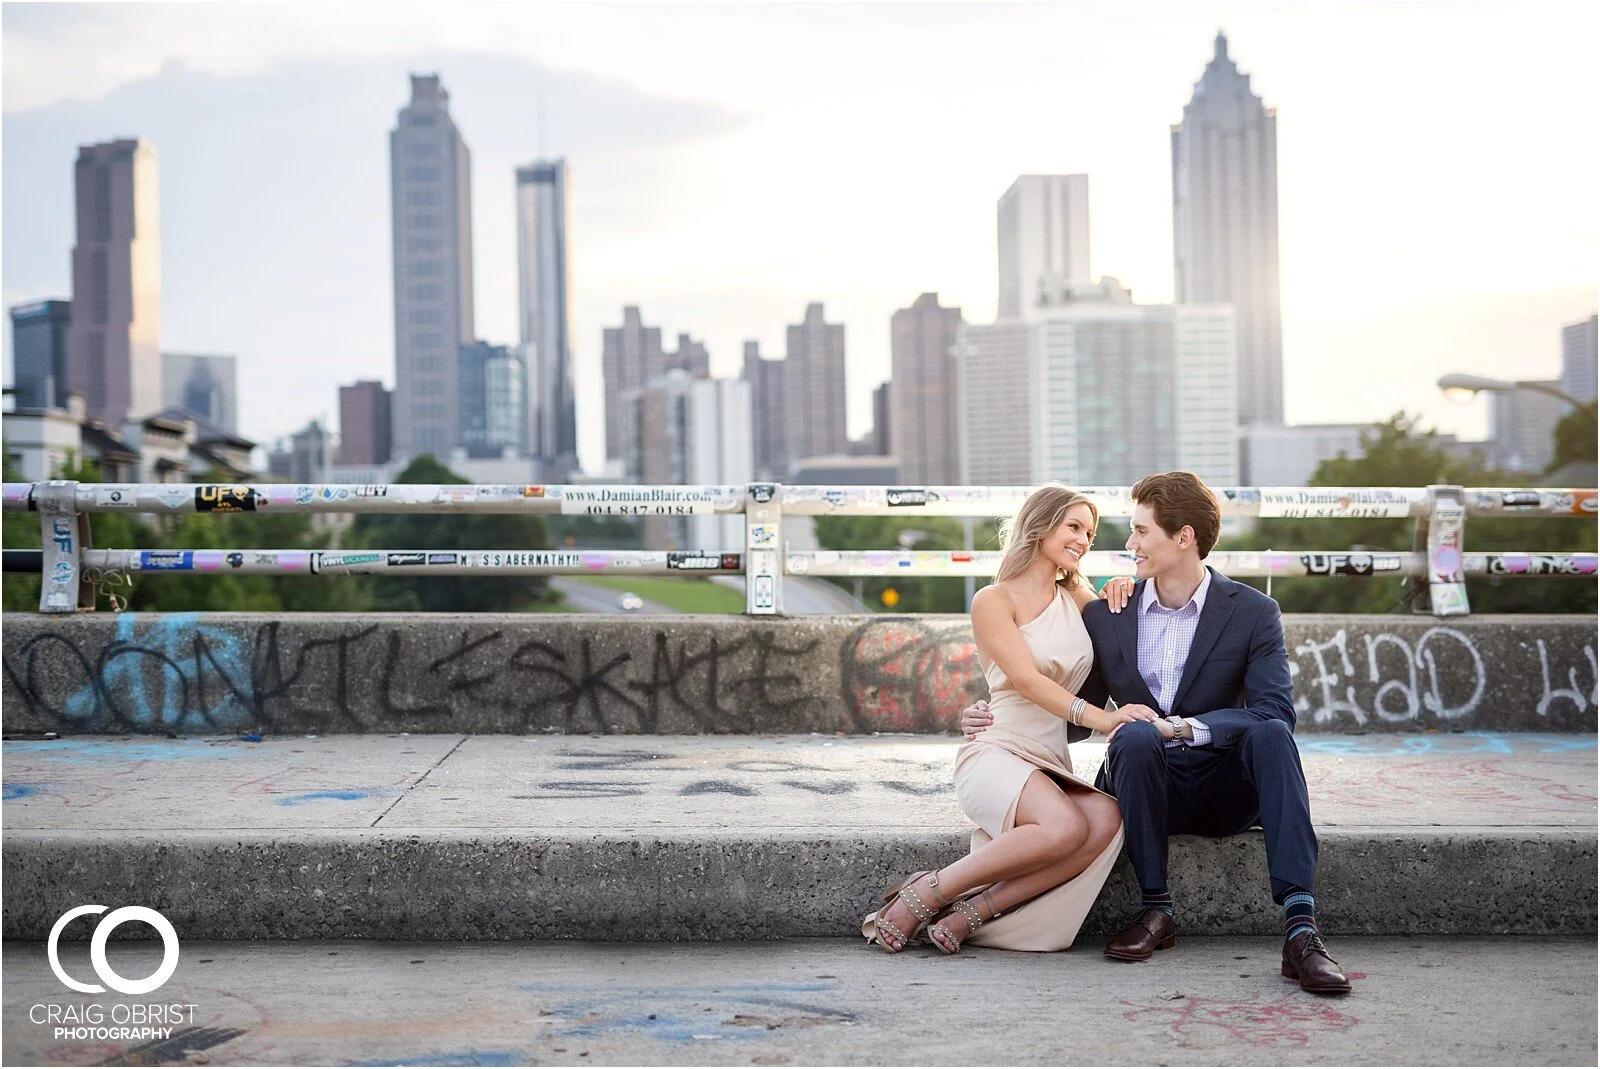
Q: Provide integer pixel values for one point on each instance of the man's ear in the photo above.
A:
(1187, 530)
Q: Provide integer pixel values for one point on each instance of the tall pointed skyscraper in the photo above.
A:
(431, 182)
(544, 292)
(113, 342)
(1225, 223)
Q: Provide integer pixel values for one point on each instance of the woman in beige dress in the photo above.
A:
(1046, 839)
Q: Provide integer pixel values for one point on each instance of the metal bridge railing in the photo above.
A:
(1438, 563)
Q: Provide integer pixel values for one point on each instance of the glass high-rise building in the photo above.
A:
(1225, 223)
(430, 179)
(39, 353)
(494, 414)
(1042, 234)
(1099, 391)
(544, 265)
(1577, 358)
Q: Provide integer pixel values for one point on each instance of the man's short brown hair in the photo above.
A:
(1178, 499)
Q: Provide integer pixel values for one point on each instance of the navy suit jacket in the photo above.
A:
(1237, 673)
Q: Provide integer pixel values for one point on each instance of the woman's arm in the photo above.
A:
(1000, 640)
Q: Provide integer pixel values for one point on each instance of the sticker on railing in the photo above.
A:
(702, 562)
(165, 560)
(116, 497)
(1344, 504)
(226, 499)
(547, 559)
(643, 501)
(324, 561)
(1349, 563)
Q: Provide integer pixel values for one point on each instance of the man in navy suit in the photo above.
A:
(1208, 654)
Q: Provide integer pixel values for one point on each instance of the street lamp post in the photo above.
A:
(1465, 387)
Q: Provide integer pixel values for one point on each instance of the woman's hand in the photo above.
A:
(975, 719)
(1127, 714)
(1117, 591)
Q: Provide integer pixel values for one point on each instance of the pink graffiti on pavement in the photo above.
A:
(1290, 1019)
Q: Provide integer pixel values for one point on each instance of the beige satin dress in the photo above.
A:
(992, 769)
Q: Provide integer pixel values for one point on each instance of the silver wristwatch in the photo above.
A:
(1177, 723)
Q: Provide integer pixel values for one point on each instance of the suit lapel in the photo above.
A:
(1213, 618)
(1128, 636)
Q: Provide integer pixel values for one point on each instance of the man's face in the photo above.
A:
(1154, 551)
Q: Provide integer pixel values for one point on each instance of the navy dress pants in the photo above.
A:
(1188, 790)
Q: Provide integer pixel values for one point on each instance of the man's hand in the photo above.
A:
(975, 719)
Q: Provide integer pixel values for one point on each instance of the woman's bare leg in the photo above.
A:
(1103, 818)
(1049, 828)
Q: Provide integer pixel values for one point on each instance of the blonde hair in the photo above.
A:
(1044, 511)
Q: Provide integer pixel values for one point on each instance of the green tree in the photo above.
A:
(1396, 453)
(1575, 437)
(450, 531)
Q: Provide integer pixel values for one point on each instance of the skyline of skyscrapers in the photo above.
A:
(1225, 223)
(430, 179)
(1225, 238)
(544, 305)
(113, 341)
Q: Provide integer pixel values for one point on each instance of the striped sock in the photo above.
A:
(1299, 914)
(1158, 899)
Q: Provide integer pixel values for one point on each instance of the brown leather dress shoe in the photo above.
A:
(1305, 958)
(1150, 931)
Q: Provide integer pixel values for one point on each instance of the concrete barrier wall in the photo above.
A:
(196, 674)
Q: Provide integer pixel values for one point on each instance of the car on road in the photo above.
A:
(628, 601)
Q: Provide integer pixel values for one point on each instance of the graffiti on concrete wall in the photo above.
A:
(189, 673)
(901, 674)
(179, 673)
(1441, 674)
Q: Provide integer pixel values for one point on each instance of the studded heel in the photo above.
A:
(904, 893)
(941, 935)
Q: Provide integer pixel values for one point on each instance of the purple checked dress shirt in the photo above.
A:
(1165, 636)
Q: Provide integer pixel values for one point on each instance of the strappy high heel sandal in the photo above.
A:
(904, 893)
(974, 920)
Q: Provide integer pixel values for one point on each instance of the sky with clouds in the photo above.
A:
(731, 163)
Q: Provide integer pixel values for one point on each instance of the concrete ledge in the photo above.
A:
(538, 885)
(192, 673)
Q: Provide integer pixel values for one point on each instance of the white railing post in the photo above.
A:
(1440, 537)
(763, 546)
(63, 532)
